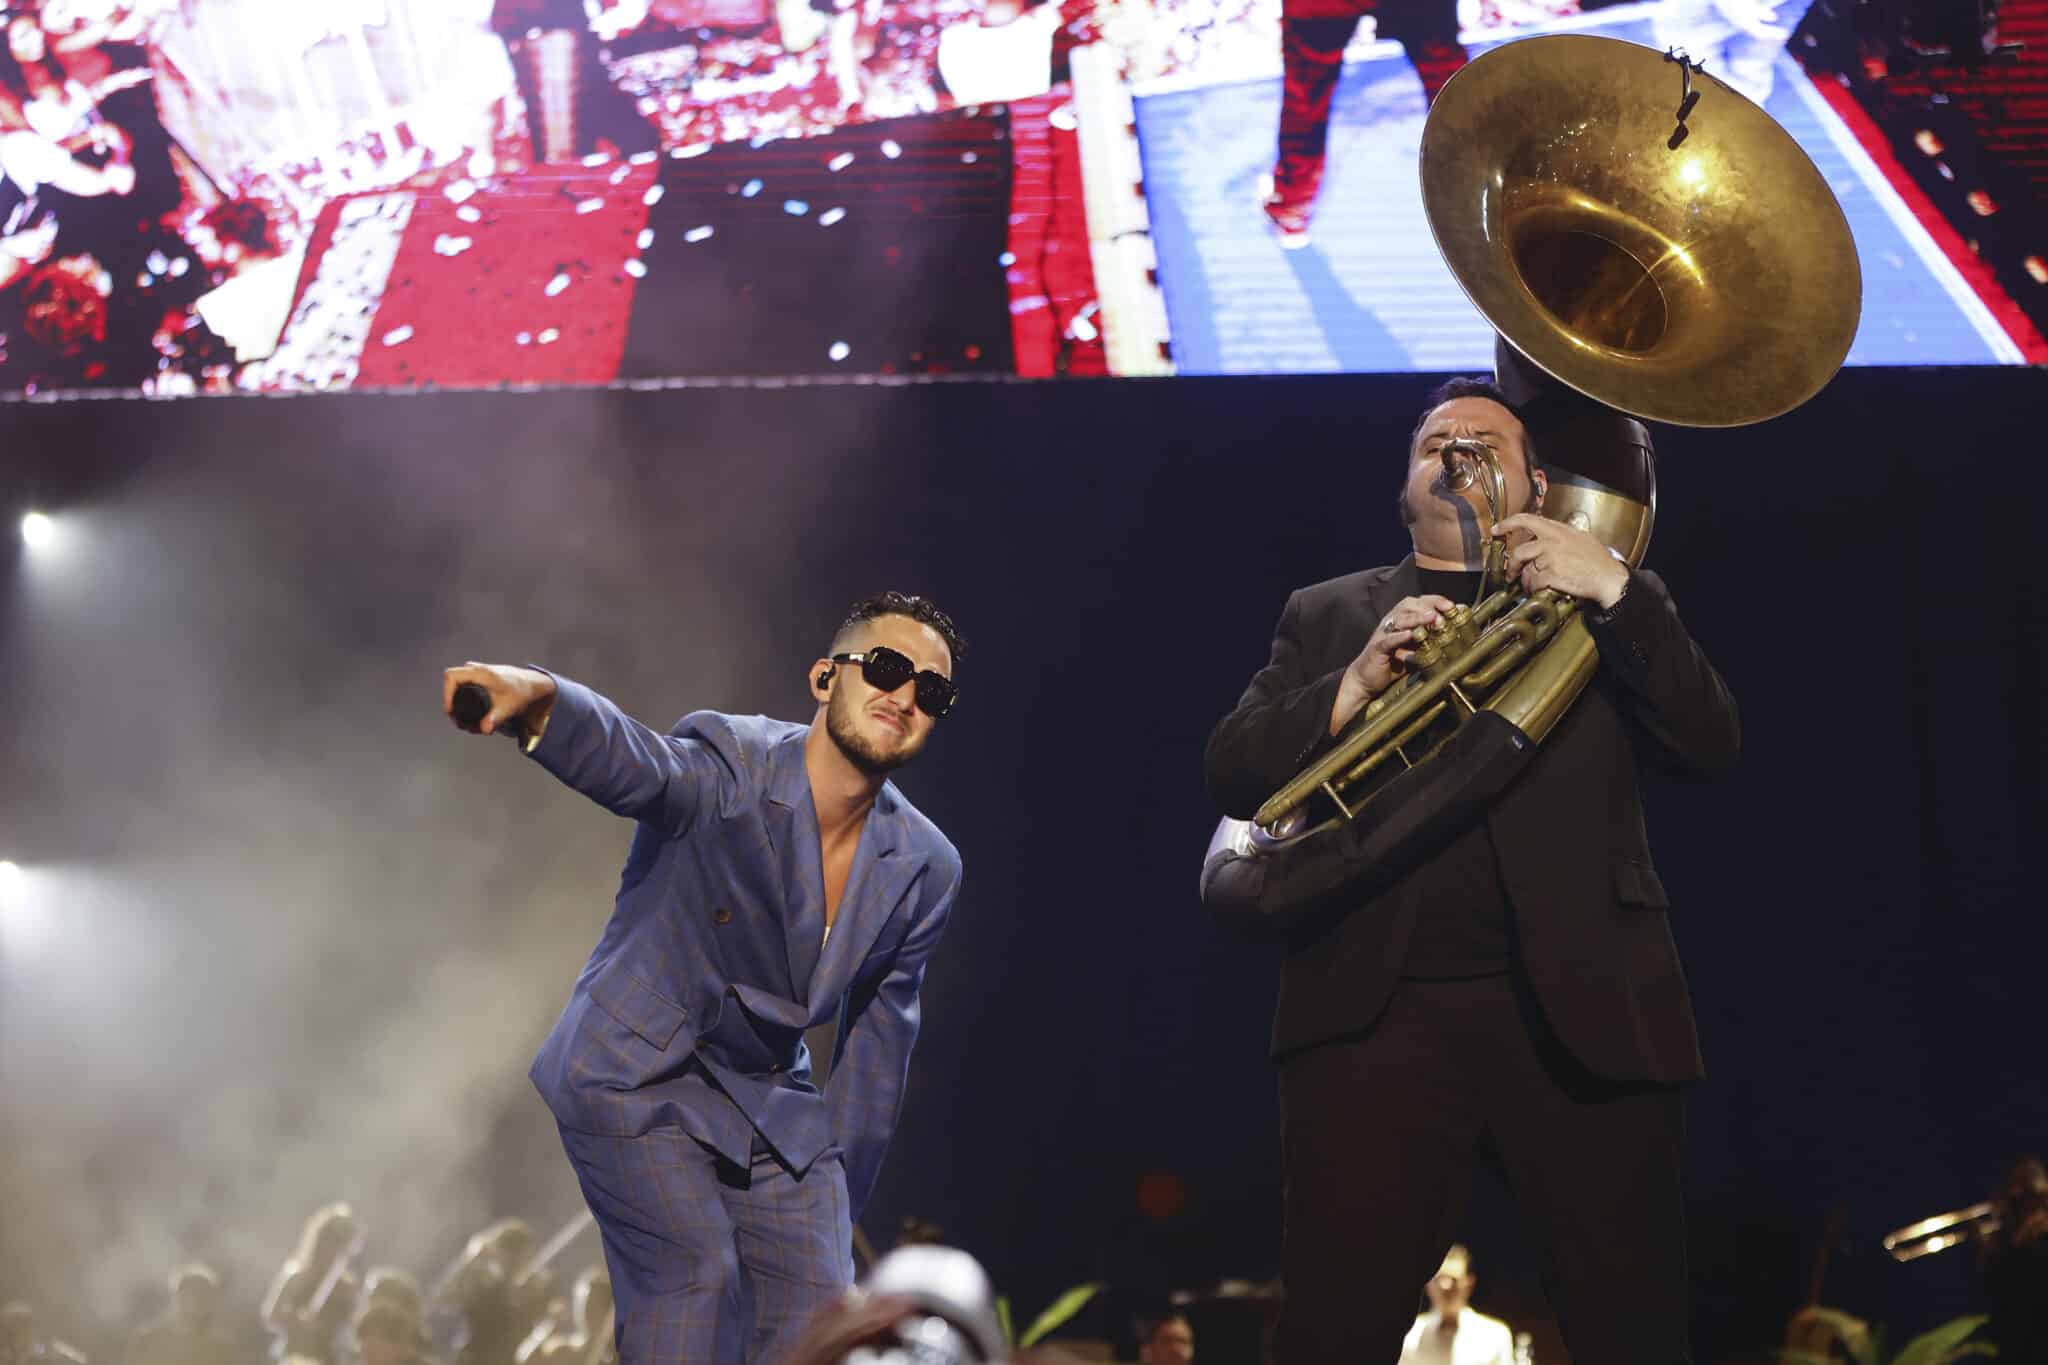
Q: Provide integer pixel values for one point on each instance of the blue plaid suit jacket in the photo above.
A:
(712, 954)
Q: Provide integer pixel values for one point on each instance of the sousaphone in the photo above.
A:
(1648, 244)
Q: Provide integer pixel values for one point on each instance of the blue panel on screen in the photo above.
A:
(1370, 293)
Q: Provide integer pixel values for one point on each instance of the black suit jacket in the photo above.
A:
(1590, 912)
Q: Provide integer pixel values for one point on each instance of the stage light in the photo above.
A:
(37, 529)
(24, 923)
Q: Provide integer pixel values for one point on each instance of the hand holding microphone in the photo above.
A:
(486, 699)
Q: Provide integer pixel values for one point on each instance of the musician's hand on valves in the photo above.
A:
(524, 695)
(1549, 554)
(1386, 654)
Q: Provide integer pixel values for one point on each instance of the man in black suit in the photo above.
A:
(1507, 989)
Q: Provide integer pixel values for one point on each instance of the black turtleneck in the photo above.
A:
(1461, 925)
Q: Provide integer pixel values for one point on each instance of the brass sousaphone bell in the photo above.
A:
(1647, 242)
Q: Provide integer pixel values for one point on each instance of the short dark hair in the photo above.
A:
(1472, 386)
(921, 609)
(1148, 1324)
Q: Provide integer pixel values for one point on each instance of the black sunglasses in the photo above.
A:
(886, 670)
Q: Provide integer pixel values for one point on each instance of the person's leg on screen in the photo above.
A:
(1311, 59)
(1427, 31)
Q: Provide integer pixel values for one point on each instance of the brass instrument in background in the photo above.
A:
(1942, 1231)
(1638, 233)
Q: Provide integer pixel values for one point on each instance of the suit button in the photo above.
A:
(721, 916)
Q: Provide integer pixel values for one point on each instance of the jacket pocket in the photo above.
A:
(1637, 884)
(637, 1005)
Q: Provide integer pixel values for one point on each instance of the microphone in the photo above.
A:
(472, 704)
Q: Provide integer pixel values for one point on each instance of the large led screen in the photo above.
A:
(242, 195)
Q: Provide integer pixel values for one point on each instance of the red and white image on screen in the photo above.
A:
(222, 195)
(210, 196)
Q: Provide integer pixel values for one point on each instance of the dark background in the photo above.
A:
(294, 939)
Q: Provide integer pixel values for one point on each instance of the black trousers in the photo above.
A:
(1381, 1134)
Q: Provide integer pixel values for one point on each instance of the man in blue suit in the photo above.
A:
(777, 881)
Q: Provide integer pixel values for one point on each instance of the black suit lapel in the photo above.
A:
(1386, 589)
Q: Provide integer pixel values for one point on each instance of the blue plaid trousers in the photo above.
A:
(712, 1262)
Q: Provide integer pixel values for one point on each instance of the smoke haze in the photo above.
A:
(308, 936)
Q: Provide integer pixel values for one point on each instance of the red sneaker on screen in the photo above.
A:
(1289, 218)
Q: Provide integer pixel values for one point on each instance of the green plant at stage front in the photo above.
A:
(1865, 1345)
(1052, 1319)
